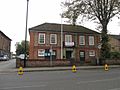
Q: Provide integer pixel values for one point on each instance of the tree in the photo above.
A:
(101, 11)
(20, 48)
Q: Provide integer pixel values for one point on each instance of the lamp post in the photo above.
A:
(98, 56)
(26, 33)
(51, 55)
(61, 39)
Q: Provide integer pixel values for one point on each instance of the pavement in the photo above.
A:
(35, 69)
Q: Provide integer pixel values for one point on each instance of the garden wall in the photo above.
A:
(42, 63)
(59, 62)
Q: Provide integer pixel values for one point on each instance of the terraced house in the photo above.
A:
(5, 44)
(78, 42)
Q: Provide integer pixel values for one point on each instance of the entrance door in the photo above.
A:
(82, 56)
(68, 54)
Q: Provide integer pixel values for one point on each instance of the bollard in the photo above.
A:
(74, 69)
(20, 71)
(106, 67)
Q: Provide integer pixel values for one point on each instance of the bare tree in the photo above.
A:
(101, 11)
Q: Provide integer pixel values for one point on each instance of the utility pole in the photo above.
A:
(26, 33)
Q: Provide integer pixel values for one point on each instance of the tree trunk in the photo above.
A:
(105, 46)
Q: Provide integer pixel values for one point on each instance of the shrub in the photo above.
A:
(115, 55)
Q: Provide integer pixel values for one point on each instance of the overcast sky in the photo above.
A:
(13, 17)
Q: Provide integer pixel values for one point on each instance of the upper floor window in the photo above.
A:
(91, 40)
(53, 38)
(82, 40)
(68, 38)
(41, 39)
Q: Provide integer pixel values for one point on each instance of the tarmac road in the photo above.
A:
(62, 80)
(10, 64)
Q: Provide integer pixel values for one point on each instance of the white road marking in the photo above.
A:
(115, 89)
(83, 82)
(29, 86)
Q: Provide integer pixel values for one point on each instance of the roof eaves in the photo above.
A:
(66, 27)
(5, 35)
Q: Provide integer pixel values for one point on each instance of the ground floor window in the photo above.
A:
(91, 53)
(41, 52)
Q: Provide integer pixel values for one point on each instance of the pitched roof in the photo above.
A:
(66, 28)
(4, 35)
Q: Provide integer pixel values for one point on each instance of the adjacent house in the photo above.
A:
(78, 43)
(114, 41)
(5, 44)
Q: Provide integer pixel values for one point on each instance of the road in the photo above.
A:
(62, 80)
(8, 64)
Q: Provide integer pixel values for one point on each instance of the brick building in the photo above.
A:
(79, 43)
(114, 41)
(5, 44)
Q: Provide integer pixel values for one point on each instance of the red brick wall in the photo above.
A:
(34, 46)
(31, 50)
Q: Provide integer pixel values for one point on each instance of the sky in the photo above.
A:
(13, 18)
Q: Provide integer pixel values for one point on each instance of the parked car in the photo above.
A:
(4, 57)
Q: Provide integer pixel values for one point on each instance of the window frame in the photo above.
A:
(43, 52)
(91, 40)
(55, 36)
(39, 38)
(83, 37)
(68, 38)
(91, 53)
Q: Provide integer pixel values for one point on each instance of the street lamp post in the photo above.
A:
(98, 56)
(26, 33)
(51, 55)
(61, 39)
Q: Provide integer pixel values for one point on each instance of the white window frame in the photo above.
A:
(53, 52)
(92, 53)
(81, 40)
(41, 52)
(39, 38)
(68, 38)
(55, 37)
(91, 40)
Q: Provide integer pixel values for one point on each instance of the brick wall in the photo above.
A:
(5, 44)
(42, 63)
(115, 44)
(64, 62)
(34, 45)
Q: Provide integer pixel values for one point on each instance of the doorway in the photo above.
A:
(68, 54)
(82, 57)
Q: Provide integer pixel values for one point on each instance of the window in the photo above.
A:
(53, 52)
(91, 53)
(82, 40)
(41, 38)
(53, 39)
(68, 38)
(91, 40)
(41, 52)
